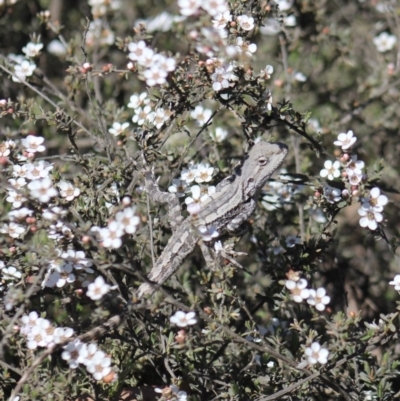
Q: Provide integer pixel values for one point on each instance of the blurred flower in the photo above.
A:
(111, 235)
(16, 198)
(354, 165)
(97, 289)
(284, 4)
(136, 50)
(159, 117)
(188, 175)
(23, 70)
(189, 7)
(33, 144)
(56, 48)
(396, 282)
(219, 134)
(200, 114)
(10, 273)
(32, 49)
(128, 220)
(136, 100)
(209, 233)
(141, 114)
(178, 187)
(68, 191)
(221, 20)
(246, 22)
(14, 230)
(299, 76)
(384, 42)
(182, 319)
(316, 354)
(42, 190)
(155, 76)
(40, 169)
(290, 20)
(331, 170)
(245, 47)
(332, 195)
(118, 128)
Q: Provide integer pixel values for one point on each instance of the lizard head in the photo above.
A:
(261, 162)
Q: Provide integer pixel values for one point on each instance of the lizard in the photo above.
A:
(224, 211)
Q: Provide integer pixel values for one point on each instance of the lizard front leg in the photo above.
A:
(245, 211)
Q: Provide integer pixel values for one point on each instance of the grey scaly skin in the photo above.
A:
(231, 205)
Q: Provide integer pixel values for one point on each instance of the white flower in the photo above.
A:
(215, 7)
(376, 201)
(299, 76)
(189, 7)
(298, 289)
(111, 235)
(165, 63)
(78, 260)
(188, 175)
(41, 169)
(396, 282)
(267, 72)
(354, 177)
(200, 114)
(243, 46)
(68, 191)
(147, 58)
(40, 335)
(128, 220)
(141, 114)
(17, 183)
(204, 173)
(100, 365)
(158, 117)
(32, 49)
(29, 321)
(16, 198)
(246, 22)
(91, 350)
(354, 165)
(53, 212)
(97, 289)
(136, 50)
(23, 70)
(20, 171)
(74, 353)
(6, 147)
(10, 273)
(346, 141)
(19, 214)
(332, 195)
(284, 4)
(62, 333)
(384, 42)
(182, 319)
(155, 76)
(331, 170)
(369, 217)
(222, 76)
(59, 231)
(221, 20)
(292, 240)
(136, 100)
(118, 128)
(14, 230)
(199, 195)
(319, 299)
(219, 134)
(315, 354)
(178, 187)
(61, 275)
(33, 144)
(42, 189)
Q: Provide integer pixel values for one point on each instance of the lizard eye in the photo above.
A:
(262, 161)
